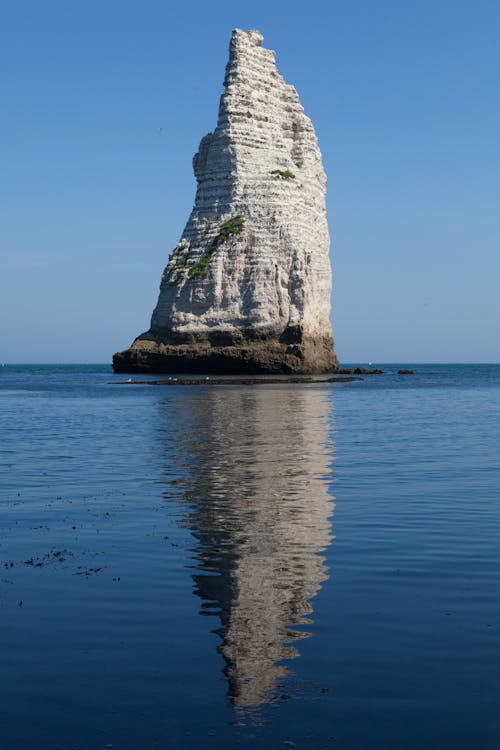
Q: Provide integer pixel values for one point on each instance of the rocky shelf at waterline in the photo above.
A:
(359, 371)
(247, 287)
(237, 381)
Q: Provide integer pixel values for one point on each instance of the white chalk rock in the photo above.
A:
(247, 288)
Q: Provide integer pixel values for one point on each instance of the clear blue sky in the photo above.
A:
(405, 99)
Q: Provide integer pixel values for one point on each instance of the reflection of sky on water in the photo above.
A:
(254, 491)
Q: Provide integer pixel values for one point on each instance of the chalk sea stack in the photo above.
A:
(247, 288)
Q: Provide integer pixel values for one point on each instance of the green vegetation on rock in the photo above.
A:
(179, 258)
(181, 249)
(230, 227)
(280, 174)
(200, 267)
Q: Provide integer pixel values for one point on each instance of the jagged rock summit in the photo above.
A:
(247, 289)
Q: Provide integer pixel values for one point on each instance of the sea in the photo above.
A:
(274, 565)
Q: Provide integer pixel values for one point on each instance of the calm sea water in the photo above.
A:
(307, 566)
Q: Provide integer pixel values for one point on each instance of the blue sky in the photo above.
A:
(405, 100)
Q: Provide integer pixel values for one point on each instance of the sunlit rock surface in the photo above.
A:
(247, 288)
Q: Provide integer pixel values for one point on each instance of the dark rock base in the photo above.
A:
(256, 357)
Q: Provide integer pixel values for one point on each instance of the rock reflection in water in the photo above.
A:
(255, 480)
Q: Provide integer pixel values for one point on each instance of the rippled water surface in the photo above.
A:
(262, 566)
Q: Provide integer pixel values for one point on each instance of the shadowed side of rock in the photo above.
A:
(252, 357)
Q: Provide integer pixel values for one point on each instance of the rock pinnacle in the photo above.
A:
(247, 288)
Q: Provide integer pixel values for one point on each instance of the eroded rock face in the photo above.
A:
(247, 289)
